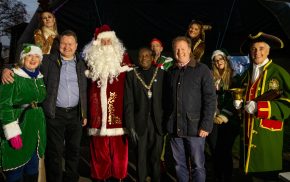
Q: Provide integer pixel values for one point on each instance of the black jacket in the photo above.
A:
(137, 104)
(191, 100)
(50, 68)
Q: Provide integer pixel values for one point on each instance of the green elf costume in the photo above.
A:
(162, 62)
(21, 117)
(263, 119)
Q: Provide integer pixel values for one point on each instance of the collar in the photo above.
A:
(191, 63)
(256, 66)
(21, 73)
(66, 61)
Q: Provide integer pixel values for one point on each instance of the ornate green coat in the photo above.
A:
(263, 131)
(15, 105)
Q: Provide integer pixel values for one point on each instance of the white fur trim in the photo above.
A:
(108, 132)
(104, 106)
(20, 72)
(217, 52)
(125, 68)
(33, 50)
(11, 130)
(106, 35)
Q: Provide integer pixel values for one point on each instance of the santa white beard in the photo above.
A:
(104, 62)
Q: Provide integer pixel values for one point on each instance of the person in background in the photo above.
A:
(143, 109)
(264, 107)
(226, 121)
(164, 63)
(160, 60)
(189, 124)
(22, 120)
(196, 33)
(107, 64)
(46, 33)
(65, 107)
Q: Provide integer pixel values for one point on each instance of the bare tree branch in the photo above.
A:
(12, 12)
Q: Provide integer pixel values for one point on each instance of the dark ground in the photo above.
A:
(169, 176)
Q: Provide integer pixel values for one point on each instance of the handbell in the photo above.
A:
(238, 93)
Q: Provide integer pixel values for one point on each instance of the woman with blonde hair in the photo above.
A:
(22, 120)
(47, 31)
(222, 71)
(226, 126)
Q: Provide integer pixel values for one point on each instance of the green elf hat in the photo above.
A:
(30, 49)
(273, 41)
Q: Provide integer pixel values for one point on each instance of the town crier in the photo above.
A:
(107, 66)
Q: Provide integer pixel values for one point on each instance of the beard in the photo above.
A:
(104, 63)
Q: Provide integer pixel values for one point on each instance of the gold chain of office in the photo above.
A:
(148, 87)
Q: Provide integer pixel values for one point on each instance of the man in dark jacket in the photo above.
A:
(191, 107)
(65, 104)
(144, 114)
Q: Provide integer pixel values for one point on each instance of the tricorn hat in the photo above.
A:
(273, 41)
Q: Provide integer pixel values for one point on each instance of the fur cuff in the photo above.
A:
(125, 69)
(106, 132)
(11, 130)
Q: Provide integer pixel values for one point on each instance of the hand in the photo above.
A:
(16, 142)
(219, 119)
(84, 122)
(133, 136)
(251, 107)
(202, 133)
(238, 104)
(7, 76)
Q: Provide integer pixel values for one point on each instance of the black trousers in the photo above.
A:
(223, 158)
(63, 135)
(149, 149)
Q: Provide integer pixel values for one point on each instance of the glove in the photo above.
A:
(238, 104)
(133, 136)
(251, 107)
(16, 142)
(219, 119)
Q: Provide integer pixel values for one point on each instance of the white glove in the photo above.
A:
(251, 107)
(238, 104)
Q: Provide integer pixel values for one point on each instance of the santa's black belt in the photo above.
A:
(67, 109)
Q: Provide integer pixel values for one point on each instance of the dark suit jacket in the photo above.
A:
(137, 105)
(50, 68)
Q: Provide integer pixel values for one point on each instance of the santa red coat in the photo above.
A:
(109, 148)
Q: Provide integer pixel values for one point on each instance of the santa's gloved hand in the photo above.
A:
(251, 107)
(133, 136)
(238, 104)
(16, 142)
(219, 119)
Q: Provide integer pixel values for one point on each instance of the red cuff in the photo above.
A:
(264, 109)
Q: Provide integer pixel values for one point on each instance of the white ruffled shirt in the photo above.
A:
(258, 69)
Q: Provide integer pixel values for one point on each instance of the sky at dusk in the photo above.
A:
(31, 6)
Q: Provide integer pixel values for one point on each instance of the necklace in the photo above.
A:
(148, 87)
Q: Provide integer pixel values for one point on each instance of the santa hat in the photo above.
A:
(104, 32)
(30, 49)
(273, 41)
(156, 40)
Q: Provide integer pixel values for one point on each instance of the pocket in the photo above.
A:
(272, 125)
(192, 124)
